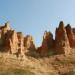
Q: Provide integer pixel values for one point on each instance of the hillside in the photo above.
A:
(19, 55)
(52, 65)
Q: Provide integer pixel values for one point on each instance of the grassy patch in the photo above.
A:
(15, 72)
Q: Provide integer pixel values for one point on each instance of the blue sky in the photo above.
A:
(35, 16)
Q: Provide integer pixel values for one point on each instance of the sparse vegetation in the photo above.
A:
(50, 53)
(15, 72)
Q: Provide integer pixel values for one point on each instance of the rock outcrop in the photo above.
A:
(11, 41)
(3, 30)
(47, 44)
(16, 43)
(71, 35)
(60, 45)
(61, 39)
(29, 45)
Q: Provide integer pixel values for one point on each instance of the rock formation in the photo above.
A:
(11, 41)
(29, 45)
(16, 43)
(3, 31)
(47, 44)
(61, 39)
(71, 35)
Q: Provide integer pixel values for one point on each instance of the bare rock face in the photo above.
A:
(61, 39)
(71, 35)
(73, 30)
(20, 43)
(48, 39)
(16, 43)
(11, 41)
(29, 44)
(3, 30)
(47, 43)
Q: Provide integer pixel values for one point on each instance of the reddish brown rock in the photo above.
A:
(71, 35)
(48, 39)
(11, 41)
(61, 39)
(3, 30)
(47, 44)
(28, 43)
(20, 43)
(73, 30)
(15, 42)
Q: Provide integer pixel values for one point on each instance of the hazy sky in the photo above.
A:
(35, 16)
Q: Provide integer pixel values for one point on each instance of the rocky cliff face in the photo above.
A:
(47, 43)
(11, 41)
(61, 39)
(64, 40)
(16, 43)
(71, 35)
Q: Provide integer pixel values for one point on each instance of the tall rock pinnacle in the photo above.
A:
(71, 36)
(47, 43)
(61, 39)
